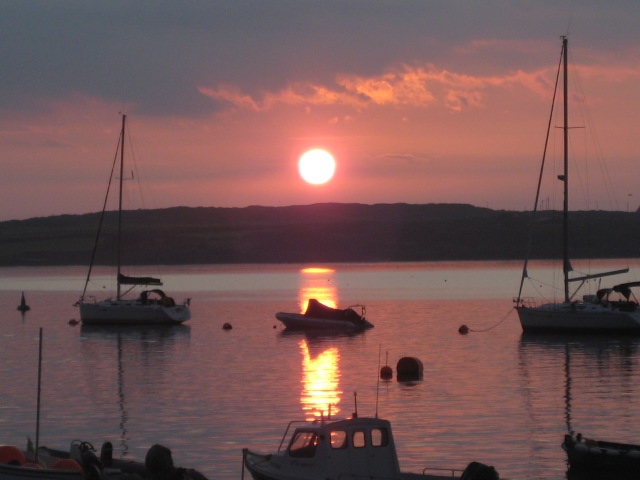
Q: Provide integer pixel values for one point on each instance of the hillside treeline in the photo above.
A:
(328, 232)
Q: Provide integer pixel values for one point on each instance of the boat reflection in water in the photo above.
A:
(113, 347)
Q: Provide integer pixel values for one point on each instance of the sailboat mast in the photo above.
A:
(566, 265)
(124, 118)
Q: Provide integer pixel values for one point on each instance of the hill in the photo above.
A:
(328, 232)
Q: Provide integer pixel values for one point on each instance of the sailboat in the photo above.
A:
(612, 309)
(151, 307)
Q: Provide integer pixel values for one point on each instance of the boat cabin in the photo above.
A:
(356, 446)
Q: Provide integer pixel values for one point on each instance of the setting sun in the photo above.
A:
(316, 166)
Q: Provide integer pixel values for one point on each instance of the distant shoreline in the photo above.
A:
(329, 232)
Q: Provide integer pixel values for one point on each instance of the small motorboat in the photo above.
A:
(82, 463)
(597, 456)
(345, 449)
(320, 316)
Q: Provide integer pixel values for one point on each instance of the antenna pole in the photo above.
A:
(355, 402)
(38, 401)
(378, 383)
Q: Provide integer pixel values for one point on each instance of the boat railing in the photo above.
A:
(452, 471)
(295, 423)
(526, 302)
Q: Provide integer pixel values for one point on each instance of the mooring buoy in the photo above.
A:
(409, 369)
(23, 307)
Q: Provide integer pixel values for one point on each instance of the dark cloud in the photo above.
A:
(156, 55)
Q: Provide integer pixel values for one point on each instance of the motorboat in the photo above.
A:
(597, 456)
(149, 307)
(589, 313)
(320, 316)
(352, 448)
(82, 462)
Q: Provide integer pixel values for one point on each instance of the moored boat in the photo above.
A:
(150, 307)
(597, 456)
(82, 463)
(320, 316)
(590, 313)
(353, 448)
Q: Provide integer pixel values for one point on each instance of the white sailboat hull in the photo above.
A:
(577, 317)
(131, 312)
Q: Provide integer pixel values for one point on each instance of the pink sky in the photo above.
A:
(417, 103)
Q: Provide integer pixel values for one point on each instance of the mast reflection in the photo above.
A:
(321, 392)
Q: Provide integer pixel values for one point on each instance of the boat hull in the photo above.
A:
(584, 318)
(298, 321)
(11, 472)
(81, 463)
(587, 455)
(123, 312)
(259, 467)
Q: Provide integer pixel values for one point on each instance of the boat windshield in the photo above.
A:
(303, 444)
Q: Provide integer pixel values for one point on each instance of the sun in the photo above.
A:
(316, 166)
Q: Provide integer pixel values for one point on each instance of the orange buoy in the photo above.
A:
(67, 464)
(463, 330)
(386, 372)
(10, 455)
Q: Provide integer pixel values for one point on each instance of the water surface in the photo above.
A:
(494, 395)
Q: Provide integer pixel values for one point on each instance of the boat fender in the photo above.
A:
(106, 453)
(10, 455)
(159, 462)
(479, 471)
(67, 464)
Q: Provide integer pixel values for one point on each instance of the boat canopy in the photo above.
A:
(125, 280)
(625, 288)
(320, 310)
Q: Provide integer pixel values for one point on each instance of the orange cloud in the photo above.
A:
(404, 86)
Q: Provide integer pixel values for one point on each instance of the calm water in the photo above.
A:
(494, 395)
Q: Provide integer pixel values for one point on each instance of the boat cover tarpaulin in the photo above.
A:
(125, 280)
(320, 310)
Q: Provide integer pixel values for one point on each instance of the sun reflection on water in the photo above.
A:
(320, 382)
(316, 282)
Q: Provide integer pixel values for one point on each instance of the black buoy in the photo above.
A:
(227, 326)
(23, 307)
(463, 330)
(409, 369)
(479, 471)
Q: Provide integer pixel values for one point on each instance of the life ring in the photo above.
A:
(10, 455)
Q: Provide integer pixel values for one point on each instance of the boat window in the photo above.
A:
(358, 439)
(303, 444)
(339, 439)
(379, 437)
